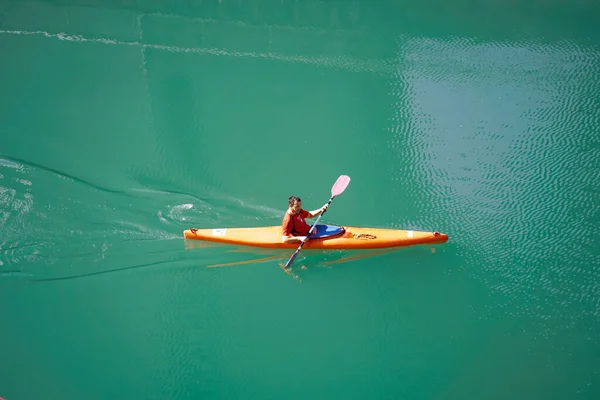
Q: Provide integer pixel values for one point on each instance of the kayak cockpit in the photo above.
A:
(327, 231)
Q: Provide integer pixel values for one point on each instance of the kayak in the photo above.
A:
(332, 237)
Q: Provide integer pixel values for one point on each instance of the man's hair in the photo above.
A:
(292, 200)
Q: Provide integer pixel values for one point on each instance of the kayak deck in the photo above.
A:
(332, 237)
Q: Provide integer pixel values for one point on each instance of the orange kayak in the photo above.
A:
(331, 237)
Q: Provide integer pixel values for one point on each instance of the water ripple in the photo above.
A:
(31, 164)
(514, 157)
(83, 229)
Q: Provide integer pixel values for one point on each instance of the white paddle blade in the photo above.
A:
(340, 185)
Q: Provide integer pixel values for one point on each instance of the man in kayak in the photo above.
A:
(294, 228)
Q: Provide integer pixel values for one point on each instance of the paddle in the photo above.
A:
(338, 188)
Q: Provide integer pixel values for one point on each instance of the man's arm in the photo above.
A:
(316, 213)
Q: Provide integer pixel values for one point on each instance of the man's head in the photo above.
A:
(295, 203)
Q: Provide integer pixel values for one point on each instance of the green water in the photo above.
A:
(122, 123)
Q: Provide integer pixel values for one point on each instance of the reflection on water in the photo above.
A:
(309, 258)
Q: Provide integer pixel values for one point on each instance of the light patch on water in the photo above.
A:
(5, 192)
(175, 214)
(161, 218)
(32, 256)
(105, 247)
(11, 164)
(27, 204)
(11, 253)
(152, 191)
(494, 131)
(183, 207)
(24, 182)
(9, 201)
(4, 217)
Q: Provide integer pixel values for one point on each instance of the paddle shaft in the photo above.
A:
(293, 257)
